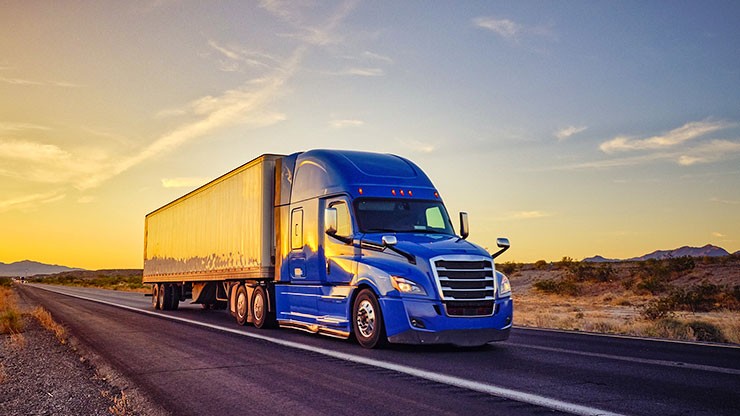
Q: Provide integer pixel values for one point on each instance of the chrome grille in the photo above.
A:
(466, 283)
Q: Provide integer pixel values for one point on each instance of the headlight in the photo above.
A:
(407, 286)
(504, 288)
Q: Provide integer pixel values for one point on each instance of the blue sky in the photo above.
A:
(573, 128)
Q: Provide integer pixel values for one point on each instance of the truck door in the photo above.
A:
(338, 256)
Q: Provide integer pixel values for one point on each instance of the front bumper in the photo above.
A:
(419, 321)
(459, 337)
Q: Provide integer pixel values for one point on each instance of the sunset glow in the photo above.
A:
(573, 129)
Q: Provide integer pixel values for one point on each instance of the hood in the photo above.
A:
(428, 246)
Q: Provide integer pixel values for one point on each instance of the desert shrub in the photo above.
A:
(669, 328)
(558, 286)
(565, 263)
(540, 264)
(586, 272)
(6, 281)
(655, 283)
(705, 331)
(508, 267)
(658, 309)
(680, 264)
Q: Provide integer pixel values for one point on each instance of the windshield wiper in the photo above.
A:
(381, 230)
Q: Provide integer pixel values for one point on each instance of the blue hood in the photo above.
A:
(427, 246)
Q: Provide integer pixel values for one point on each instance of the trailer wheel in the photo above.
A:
(172, 299)
(261, 316)
(242, 305)
(367, 320)
(165, 293)
(155, 296)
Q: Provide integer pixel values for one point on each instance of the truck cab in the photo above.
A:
(365, 247)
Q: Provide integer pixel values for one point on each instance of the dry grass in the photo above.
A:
(2, 373)
(11, 321)
(120, 403)
(45, 319)
(617, 308)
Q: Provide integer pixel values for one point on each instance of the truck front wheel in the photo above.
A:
(367, 319)
(242, 305)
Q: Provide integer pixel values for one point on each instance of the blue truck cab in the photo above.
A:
(364, 247)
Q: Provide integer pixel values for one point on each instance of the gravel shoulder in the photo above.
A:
(41, 376)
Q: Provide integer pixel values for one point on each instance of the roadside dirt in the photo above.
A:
(41, 376)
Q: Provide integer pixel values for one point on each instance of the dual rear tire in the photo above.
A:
(263, 316)
(165, 296)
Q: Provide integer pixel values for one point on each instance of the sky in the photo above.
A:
(574, 128)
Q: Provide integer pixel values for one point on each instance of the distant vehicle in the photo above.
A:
(340, 243)
(23, 279)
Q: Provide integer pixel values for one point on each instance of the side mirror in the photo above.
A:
(389, 240)
(330, 221)
(464, 227)
(503, 244)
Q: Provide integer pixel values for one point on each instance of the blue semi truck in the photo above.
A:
(341, 243)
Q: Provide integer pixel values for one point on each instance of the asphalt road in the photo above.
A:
(193, 361)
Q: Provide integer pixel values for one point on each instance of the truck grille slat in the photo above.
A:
(466, 284)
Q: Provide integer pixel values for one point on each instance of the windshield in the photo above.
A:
(402, 216)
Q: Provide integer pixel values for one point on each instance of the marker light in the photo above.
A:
(393, 191)
(360, 191)
(436, 195)
(401, 192)
(410, 194)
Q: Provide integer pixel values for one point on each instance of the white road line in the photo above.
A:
(486, 388)
(676, 364)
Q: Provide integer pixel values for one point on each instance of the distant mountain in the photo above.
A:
(30, 268)
(706, 251)
(599, 259)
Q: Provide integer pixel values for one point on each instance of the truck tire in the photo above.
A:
(262, 317)
(174, 296)
(165, 295)
(155, 296)
(367, 320)
(242, 305)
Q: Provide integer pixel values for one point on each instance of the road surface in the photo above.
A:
(193, 361)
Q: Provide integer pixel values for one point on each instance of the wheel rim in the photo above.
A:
(155, 296)
(366, 318)
(258, 307)
(241, 305)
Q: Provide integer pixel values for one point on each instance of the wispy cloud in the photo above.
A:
(718, 234)
(84, 168)
(234, 57)
(529, 215)
(502, 27)
(710, 152)
(31, 151)
(419, 146)
(360, 72)
(725, 201)
(29, 82)
(688, 131)
(8, 127)
(183, 182)
(566, 132)
(339, 124)
(30, 201)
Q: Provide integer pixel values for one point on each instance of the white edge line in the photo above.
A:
(490, 389)
(634, 337)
